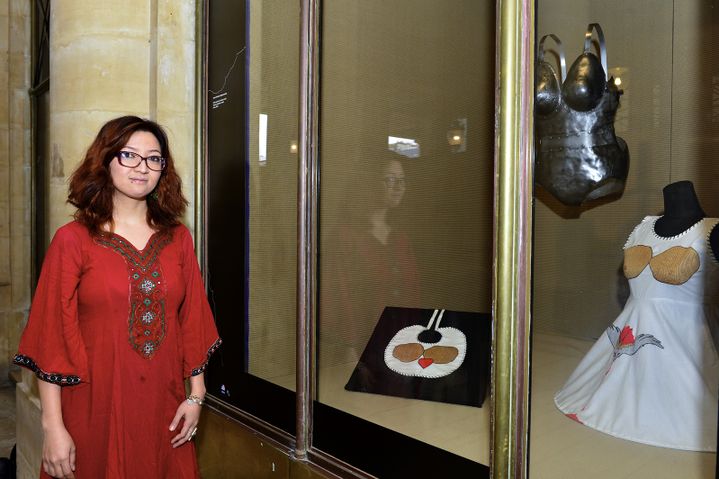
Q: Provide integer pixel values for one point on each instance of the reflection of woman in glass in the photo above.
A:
(373, 264)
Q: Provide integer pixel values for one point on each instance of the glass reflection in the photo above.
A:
(406, 215)
(372, 260)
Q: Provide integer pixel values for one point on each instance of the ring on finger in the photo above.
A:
(192, 434)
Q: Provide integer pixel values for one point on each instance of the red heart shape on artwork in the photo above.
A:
(424, 362)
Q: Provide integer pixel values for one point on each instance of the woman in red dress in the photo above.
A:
(120, 318)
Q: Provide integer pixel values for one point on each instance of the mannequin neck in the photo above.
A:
(681, 209)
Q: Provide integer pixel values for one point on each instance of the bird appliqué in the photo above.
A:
(624, 341)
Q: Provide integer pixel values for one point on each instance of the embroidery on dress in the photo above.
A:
(146, 324)
(55, 378)
(624, 341)
(210, 351)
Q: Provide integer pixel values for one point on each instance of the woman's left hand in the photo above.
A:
(190, 413)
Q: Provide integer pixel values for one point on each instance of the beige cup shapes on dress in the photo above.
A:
(673, 266)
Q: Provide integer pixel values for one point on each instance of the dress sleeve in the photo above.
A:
(199, 334)
(51, 344)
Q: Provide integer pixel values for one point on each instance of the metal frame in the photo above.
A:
(514, 136)
(307, 201)
(200, 213)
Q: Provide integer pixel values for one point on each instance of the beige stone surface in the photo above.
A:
(18, 153)
(91, 79)
(20, 252)
(175, 56)
(175, 88)
(7, 420)
(4, 263)
(16, 323)
(59, 211)
(180, 133)
(73, 132)
(5, 359)
(5, 295)
(4, 141)
(20, 115)
(4, 267)
(19, 75)
(177, 18)
(14, 176)
(19, 8)
(81, 20)
(4, 100)
(30, 382)
(176, 76)
(4, 205)
(4, 25)
(29, 432)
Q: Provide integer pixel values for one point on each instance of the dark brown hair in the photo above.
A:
(91, 188)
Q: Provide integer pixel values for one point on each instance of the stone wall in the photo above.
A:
(14, 176)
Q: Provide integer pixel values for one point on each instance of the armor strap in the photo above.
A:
(560, 48)
(602, 45)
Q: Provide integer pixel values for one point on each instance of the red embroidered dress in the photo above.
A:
(120, 329)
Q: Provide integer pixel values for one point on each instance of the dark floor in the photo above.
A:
(7, 420)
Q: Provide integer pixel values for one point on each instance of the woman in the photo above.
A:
(120, 317)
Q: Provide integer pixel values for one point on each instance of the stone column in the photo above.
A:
(175, 88)
(110, 58)
(99, 69)
(14, 177)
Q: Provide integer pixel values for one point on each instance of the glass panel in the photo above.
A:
(273, 114)
(253, 98)
(406, 219)
(622, 337)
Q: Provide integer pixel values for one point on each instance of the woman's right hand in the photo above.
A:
(58, 453)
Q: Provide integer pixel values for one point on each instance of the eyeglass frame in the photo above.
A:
(163, 160)
(395, 182)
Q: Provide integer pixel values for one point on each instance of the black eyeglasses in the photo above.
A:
(130, 159)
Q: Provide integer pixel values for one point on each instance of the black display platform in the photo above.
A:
(435, 355)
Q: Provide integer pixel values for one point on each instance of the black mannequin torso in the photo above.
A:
(681, 211)
(714, 242)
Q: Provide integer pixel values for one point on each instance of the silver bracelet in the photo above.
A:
(192, 399)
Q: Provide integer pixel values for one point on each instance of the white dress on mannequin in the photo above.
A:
(653, 376)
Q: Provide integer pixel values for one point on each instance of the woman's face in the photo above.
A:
(394, 184)
(136, 182)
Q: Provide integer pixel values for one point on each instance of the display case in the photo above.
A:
(397, 263)
(625, 291)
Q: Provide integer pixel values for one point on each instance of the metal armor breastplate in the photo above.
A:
(579, 157)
